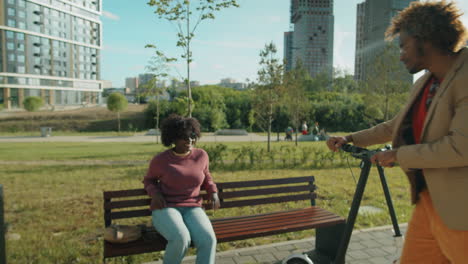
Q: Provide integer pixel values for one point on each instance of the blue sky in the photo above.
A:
(227, 47)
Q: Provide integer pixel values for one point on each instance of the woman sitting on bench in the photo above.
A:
(173, 181)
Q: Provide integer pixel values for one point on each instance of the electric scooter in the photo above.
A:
(332, 243)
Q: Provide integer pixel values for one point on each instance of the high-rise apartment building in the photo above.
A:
(51, 49)
(372, 20)
(312, 37)
(287, 46)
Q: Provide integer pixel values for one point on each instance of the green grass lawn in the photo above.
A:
(57, 208)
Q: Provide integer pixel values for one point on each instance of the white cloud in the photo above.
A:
(110, 15)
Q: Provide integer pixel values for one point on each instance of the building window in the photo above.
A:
(11, 23)
(11, 11)
(20, 36)
(21, 25)
(9, 34)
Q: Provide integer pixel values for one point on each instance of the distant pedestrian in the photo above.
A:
(316, 129)
(304, 128)
(289, 131)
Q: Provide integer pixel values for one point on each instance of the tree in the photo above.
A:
(319, 83)
(33, 103)
(268, 92)
(156, 87)
(116, 102)
(386, 80)
(344, 82)
(296, 103)
(210, 107)
(182, 13)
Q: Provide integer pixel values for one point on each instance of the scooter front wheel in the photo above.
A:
(297, 259)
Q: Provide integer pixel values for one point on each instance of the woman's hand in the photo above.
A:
(215, 200)
(158, 201)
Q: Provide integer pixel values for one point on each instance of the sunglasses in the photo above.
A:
(191, 137)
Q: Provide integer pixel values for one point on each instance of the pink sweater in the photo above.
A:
(180, 179)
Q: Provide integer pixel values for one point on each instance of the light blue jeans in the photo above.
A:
(180, 226)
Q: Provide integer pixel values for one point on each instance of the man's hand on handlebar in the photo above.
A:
(385, 158)
(335, 143)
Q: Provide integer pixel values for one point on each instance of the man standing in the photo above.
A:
(430, 134)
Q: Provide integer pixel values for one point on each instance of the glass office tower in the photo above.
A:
(372, 20)
(312, 37)
(51, 49)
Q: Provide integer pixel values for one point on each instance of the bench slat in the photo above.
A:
(265, 191)
(124, 193)
(223, 195)
(207, 206)
(243, 184)
(127, 203)
(129, 214)
(272, 222)
(275, 223)
(291, 213)
(268, 200)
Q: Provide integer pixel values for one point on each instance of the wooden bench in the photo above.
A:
(125, 204)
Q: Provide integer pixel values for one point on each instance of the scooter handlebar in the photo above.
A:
(362, 153)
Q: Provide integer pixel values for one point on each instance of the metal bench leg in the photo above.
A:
(327, 241)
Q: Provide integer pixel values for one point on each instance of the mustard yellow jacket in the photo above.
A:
(443, 151)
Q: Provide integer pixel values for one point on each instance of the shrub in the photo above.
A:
(116, 103)
(33, 103)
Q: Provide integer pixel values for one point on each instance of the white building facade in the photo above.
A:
(51, 49)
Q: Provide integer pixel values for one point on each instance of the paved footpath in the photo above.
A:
(369, 246)
(208, 137)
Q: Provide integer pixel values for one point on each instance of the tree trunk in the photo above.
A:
(295, 131)
(269, 131)
(118, 122)
(157, 119)
(386, 108)
(189, 90)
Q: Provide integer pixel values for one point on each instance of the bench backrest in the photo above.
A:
(135, 203)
